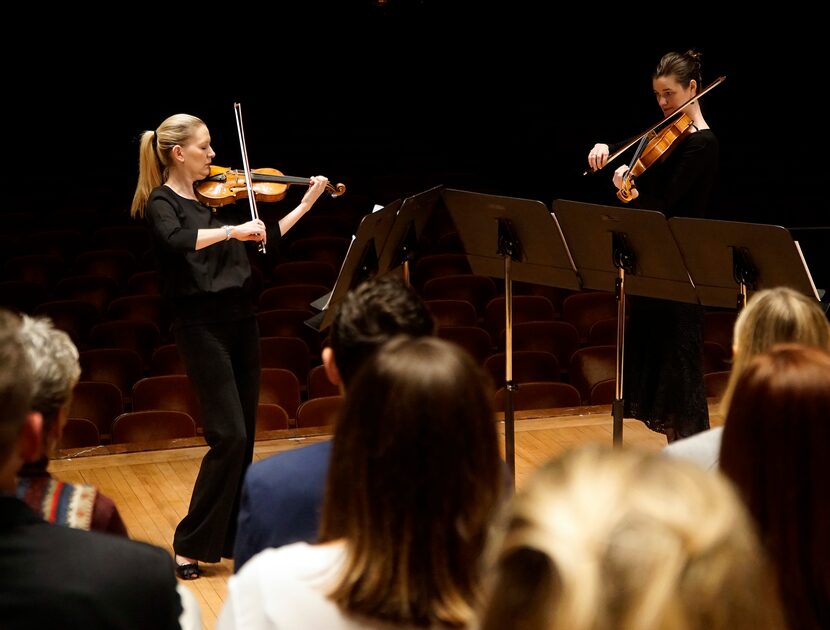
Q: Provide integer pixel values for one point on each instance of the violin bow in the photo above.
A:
(237, 108)
(629, 143)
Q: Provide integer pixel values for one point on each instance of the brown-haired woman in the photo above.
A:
(776, 449)
(664, 344)
(415, 478)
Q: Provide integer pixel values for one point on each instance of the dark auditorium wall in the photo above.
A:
(395, 97)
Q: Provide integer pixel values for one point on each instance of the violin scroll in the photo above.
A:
(336, 190)
(627, 192)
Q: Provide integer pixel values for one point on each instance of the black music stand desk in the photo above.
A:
(624, 250)
(590, 231)
(360, 263)
(727, 259)
(402, 244)
(514, 239)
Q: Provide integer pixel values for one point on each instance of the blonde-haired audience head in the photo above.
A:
(771, 316)
(604, 538)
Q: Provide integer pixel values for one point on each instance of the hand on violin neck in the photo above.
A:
(619, 176)
(626, 191)
(316, 187)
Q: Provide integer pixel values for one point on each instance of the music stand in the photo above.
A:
(729, 258)
(511, 238)
(814, 243)
(360, 263)
(401, 246)
(624, 250)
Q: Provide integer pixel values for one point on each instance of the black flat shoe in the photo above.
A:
(189, 571)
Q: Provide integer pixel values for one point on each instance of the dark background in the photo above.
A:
(394, 98)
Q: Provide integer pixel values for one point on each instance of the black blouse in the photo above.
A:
(210, 284)
(682, 183)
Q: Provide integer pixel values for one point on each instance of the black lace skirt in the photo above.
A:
(663, 366)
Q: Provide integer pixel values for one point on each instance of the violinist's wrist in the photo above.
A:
(228, 231)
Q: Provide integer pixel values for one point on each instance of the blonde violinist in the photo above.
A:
(205, 273)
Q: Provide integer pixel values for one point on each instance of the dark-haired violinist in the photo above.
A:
(206, 275)
(664, 379)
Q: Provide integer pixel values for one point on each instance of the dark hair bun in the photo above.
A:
(694, 55)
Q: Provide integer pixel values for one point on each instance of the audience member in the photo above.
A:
(282, 495)
(776, 450)
(771, 316)
(62, 577)
(54, 360)
(604, 538)
(414, 480)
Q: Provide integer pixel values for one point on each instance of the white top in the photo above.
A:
(702, 448)
(286, 588)
(191, 617)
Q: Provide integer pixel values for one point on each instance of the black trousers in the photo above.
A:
(223, 363)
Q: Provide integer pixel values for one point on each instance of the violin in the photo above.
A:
(660, 146)
(224, 185)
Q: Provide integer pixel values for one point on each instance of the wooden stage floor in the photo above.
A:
(152, 486)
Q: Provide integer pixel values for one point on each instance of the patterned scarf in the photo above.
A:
(58, 502)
